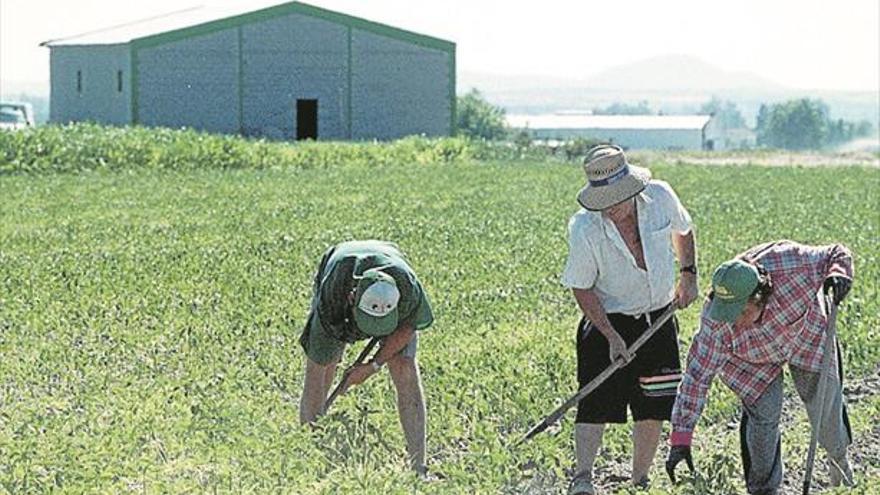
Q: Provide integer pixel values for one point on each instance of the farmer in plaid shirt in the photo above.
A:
(765, 310)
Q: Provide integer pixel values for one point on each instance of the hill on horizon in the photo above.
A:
(678, 73)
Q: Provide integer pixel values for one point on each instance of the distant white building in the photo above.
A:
(288, 70)
(649, 132)
(720, 139)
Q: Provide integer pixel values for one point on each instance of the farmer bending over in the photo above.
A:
(621, 268)
(366, 289)
(764, 311)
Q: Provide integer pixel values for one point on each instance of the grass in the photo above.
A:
(88, 147)
(149, 322)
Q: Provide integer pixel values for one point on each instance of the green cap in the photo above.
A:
(376, 298)
(733, 283)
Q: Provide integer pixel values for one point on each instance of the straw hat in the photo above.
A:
(611, 179)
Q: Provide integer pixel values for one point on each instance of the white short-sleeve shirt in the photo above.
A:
(598, 258)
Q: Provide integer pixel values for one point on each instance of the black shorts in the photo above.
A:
(648, 384)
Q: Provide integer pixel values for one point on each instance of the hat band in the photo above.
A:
(726, 297)
(611, 180)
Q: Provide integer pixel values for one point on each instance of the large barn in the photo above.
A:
(287, 71)
(652, 132)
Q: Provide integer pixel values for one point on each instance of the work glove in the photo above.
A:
(840, 286)
(677, 454)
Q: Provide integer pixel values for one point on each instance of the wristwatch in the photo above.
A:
(689, 269)
(376, 366)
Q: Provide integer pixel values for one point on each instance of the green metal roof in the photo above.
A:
(193, 22)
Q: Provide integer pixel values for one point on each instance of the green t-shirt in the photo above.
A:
(335, 280)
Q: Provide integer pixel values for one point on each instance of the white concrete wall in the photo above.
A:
(648, 139)
(289, 58)
(191, 83)
(398, 88)
(100, 100)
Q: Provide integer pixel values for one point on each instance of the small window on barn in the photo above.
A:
(119, 81)
(79, 81)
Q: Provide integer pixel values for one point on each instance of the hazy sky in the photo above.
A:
(807, 44)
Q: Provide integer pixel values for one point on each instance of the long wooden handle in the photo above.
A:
(599, 380)
(820, 390)
(340, 386)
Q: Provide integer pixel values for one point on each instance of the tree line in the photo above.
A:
(805, 124)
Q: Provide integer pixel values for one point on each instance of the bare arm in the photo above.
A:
(394, 343)
(685, 246)
(593, 310)
(391, 345)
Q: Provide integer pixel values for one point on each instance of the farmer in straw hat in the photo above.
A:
(764, 310)
(623, 245)
(366, 289)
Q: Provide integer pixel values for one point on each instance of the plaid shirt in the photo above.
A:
(790, 330)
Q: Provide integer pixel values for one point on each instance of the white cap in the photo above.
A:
(379, 299)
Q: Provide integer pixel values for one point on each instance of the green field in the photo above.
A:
(149, 322)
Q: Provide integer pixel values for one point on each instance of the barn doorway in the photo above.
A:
(306, 119)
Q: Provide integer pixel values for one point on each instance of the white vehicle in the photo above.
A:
(15, 116)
